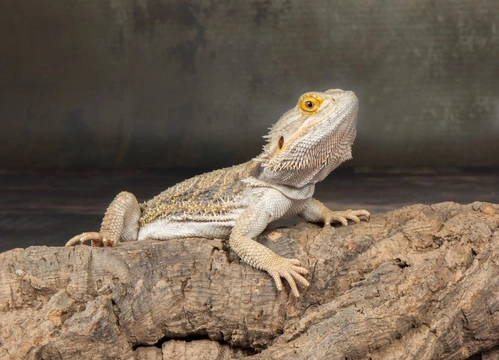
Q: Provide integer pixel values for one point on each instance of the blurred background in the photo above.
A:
(110, 95)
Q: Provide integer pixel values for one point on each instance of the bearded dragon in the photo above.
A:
(303, 147)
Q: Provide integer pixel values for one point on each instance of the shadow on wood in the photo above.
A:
(421, 282)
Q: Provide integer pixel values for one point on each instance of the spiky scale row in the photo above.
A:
(212, 194)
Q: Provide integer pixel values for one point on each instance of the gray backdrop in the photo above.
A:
(157, 83)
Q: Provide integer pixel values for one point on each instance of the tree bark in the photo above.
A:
(421, 282)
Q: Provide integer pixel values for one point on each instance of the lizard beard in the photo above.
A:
(303, 164)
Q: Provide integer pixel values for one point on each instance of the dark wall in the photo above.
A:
(157, 83)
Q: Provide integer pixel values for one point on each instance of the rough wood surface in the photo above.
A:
(421, 282)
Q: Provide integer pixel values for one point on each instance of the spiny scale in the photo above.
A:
(212, 194)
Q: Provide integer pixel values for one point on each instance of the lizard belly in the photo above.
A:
(166, 229)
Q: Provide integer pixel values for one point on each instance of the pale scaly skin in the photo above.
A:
(303, 147)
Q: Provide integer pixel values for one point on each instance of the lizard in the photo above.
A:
(237, 203)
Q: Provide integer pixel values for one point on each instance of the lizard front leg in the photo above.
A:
(315, 211)
(120, 223)
(249, 225)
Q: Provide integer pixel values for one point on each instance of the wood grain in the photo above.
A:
(420, 282)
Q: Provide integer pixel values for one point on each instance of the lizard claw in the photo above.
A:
(96, 238)
(343, 216)
(290, 270)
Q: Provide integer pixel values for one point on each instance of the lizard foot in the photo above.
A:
(343, 216)
(290, 270)
(96, 238)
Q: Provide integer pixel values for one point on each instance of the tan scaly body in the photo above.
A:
(303, 147)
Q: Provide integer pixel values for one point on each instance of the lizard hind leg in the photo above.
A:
(120, 223)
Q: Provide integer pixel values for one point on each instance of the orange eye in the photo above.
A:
(309, 104)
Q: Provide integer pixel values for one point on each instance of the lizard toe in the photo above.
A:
(292, 284)
(364, 214)
(337, 218)
(107, 242)
(360, 214)
(290, 270)
(94, 237)
(354, 218)
(353, 215)
(295, 262)
(277, 280)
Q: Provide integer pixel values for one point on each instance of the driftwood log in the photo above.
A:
(421, 282)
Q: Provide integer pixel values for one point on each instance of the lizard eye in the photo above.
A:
(309, 104)
(280, 142)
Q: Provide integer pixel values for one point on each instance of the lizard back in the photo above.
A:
(216, 194)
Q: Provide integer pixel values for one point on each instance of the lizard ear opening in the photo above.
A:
(280, 142)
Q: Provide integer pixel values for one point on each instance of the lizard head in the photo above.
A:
(310, 140)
